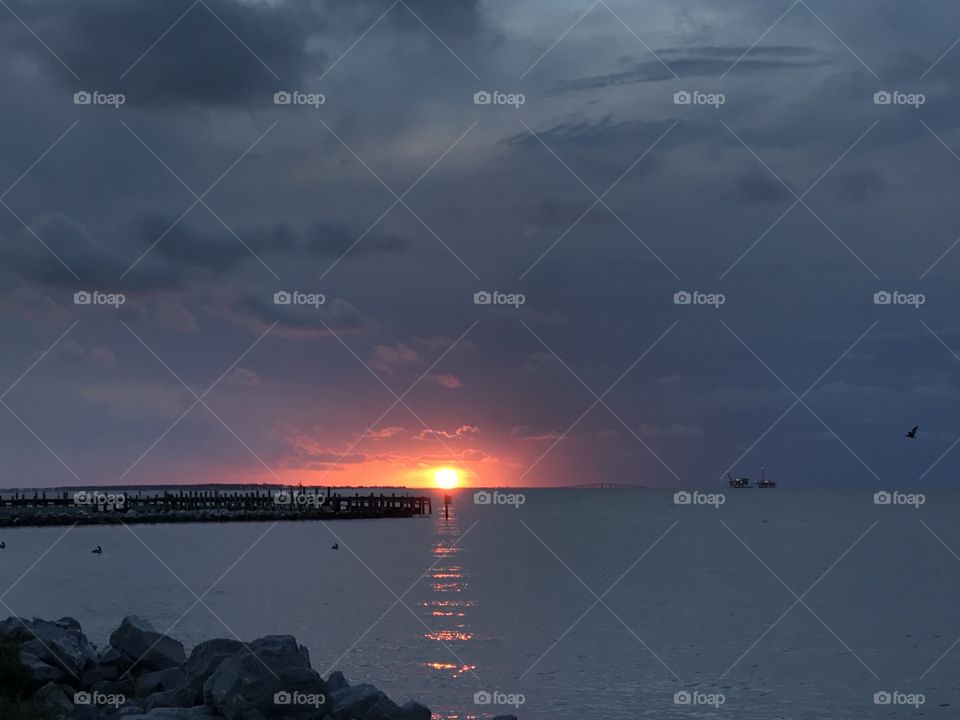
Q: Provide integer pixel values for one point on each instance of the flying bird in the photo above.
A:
(335, 546)
(3, 545)
(97, 550)
(913, 433)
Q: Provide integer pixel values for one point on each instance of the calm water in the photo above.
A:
(508, 607)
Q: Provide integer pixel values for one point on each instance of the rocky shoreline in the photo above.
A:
(49, 670)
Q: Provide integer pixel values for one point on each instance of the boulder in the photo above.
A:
(196, 713)
(160, 680)
(181, 697)
(204, 659)
(272, 678)
(109, 657)
(39, 671)
(362, 702)
(60, 643)
(336, 681)
(55, 699)
(99, 674)
(415, 711)
(125, 687)
(139, 643)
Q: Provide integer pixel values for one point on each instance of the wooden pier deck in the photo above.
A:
(104, 506)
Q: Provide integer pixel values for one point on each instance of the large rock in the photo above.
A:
(99, 674)
(60, 643)
(159, 681)
(272, 678)
(204, 659)
(145, 649)
(336, 681)
(363, 702)
(415, 711)
(53, 697)
(41, 672)
(181, 697)
(197, 713)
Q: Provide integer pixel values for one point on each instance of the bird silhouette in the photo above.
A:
(335, 546)
(913, 433)
(97, 550)
(3, 545)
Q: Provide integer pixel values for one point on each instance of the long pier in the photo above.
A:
(105, 506)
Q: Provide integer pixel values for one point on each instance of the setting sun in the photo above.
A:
(446, 478)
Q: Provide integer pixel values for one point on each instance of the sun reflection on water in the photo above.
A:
(450, 628)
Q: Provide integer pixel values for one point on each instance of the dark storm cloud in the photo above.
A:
(170, 253)
(760, 189)
(331, 240)
(198, 62)
(700, 62)
(300, 200)
(558, 212)
(259, 311)
(605, 133)
(219, 52)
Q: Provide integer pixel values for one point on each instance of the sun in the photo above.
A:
(446, 478)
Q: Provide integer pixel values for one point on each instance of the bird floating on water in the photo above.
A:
(97, 550)
(913, 433)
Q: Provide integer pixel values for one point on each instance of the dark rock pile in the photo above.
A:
(145, 675)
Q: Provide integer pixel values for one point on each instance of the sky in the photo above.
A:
(584, 197)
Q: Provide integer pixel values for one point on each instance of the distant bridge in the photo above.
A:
(606, 486)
